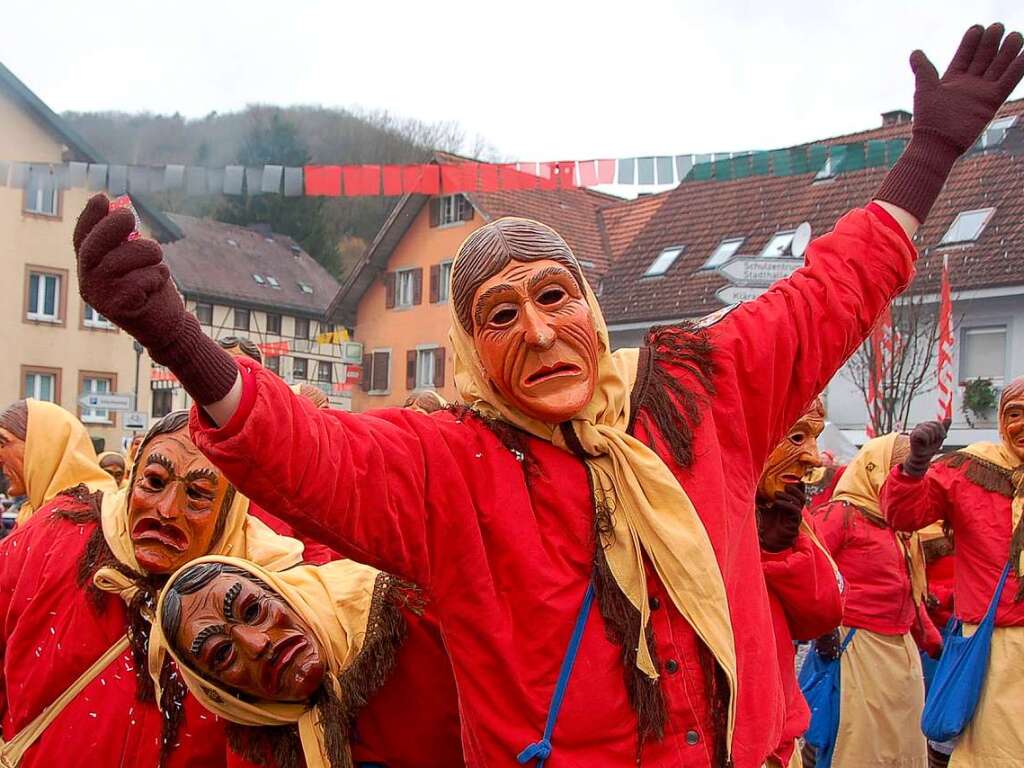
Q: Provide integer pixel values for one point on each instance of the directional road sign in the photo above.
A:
(733, 294)
(108, 401)
(136, 420)
(755, 270)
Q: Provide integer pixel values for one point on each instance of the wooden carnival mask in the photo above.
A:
(520, 294)
(235, 630)
(177, 500)
(796, 455)
(1011, 417)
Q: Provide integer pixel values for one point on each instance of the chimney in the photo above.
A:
(896, 117)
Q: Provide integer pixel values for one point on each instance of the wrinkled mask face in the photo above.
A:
(113, 466)
(245, 637)
(1011, 424)
(535, 337)
(176, 502)
(794, 457)
(12, 462)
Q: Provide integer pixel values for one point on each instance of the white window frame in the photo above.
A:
(720, 256)
(259, 279)
(403, 276)
(93, 319)
(319, 367)
(306, 288)
(978, 329)
(950, 239)
(444, 274)
(40, 297)
(424, 353)
(34, 201)
(195, 311)
(96, 415)
(272, 281)
(34, 392)
(295, 377)
(449, 212)
(373, 359)
(785, 234)
(999, 124)
(664, 261)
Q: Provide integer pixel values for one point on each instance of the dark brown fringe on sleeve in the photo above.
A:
(386, 629)
(515, 440)
(660, 399)
(983, 473)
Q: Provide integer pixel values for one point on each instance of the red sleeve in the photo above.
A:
(911, 503)
(804, 581)
(776, 353)
(831, 524)
(927, 637)
(353, 482)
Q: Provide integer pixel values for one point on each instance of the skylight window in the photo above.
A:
(665, 260)
(967, 226)
(305, 288)
(725, 251)
(996, 131)
(826, 171)
(258, 279)
(778, 246)
(273, 282)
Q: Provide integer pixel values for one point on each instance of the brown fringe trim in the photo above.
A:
(172, 706)
(515, 440)
(936, 549)
(717, 693)
(622, 626)
(666, 406)
(983, 473)
(386, 629)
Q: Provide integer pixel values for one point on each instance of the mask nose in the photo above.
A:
(250, 640)
(539, 333)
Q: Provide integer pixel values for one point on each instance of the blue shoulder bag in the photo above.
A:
(956, 684)
(819, 682)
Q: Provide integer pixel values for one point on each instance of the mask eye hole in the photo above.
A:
(504, 317)
(551, 296)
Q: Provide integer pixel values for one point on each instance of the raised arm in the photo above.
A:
(785, 346)
(916, 493)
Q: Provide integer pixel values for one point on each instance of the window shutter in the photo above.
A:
(367, 377)
(439, 355)
(410, 369)
(381, 371)
(466, 209)
(389, 290)
(435, 283)
(417, 286)
(435, 211)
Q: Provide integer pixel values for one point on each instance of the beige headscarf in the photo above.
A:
(243, 536)
(650, 511)
(861, 486)
(58, 455)
(335, 601)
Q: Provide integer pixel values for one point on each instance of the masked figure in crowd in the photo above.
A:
(882, 688)
(45, 450)
(978, 492)
(291, 658)
(78, 584)
(112, 463)
(426, 402)
(803, 584)
(574, 472)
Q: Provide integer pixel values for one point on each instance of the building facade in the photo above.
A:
(55, 347)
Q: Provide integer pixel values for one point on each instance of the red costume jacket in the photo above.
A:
(805, 601)
(874, 568)
(506, 554)
(51, 633)
(981, 523)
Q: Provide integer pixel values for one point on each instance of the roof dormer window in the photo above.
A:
(258, 278)
(725, 251)
(967, 226)
(778, 246)
(272, 281)
(996, 132)
(664, 261)
(306, 288)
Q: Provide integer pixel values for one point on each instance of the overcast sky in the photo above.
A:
(544, 80)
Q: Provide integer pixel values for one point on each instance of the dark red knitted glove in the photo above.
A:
(128, 282)
(778, 521)
(950, 113)
(926, 440)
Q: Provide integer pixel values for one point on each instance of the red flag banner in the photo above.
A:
(945, 357)
(323, 180)
(274, 348)
(392, 177)
(588, 173)
(361, 180)
(421, 179)
(605, 172)
(513, 178)
(161, 374)
(458, 178)
(488, 177)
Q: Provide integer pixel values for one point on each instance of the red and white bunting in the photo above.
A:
(945, 381)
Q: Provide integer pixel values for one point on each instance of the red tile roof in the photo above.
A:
(217, 261)
(700, 214)
(625, 219)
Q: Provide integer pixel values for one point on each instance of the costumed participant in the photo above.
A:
(113, 464)
(802, 580)
(881, 683)
(574, 476)
(45, 450)
(426, 402)
(78, 583)
(313, 551)
(291, 659)
(978, 492)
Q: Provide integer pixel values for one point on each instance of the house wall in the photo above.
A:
(425, 324)
(27, 239)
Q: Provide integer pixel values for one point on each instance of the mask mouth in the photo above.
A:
(791, 478)
(284, 653)
(549, 372)
(150, 529)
